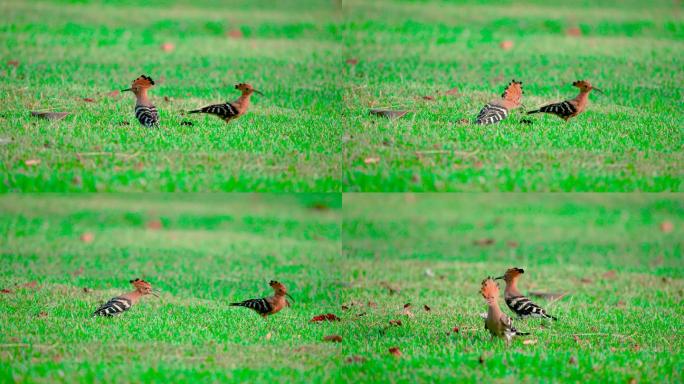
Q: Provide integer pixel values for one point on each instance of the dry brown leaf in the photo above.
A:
(87, 290)
(88, 99)
(268, 336)
(586, 280)
(235, 34)
(87, 237)
(388, 113)
(573, 31)
(42, 314)
(352, 61)
(506, 45)
(13, 63)
(529, 341)
(429, 98)
(5, 290)
(371, 160)
(484, 242)
(167, 47)
(355, 359)
(333, 338)
(573, 360)
(426, 308)
(666, 226)
(372, 304)
(452, 91)
(50, 115)
(396, 323)
(325, 317)
(31, 162)
(395, 351)
(610, 275)
(345, 308)
(154, 225)
(113, 93)
(30, 284)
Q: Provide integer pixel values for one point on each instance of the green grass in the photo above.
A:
(70, 50)
(614, 327)
(631, 139)
(211, 250)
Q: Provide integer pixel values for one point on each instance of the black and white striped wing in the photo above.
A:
(113, 307)
(224, 111)
(491, 114)
(562, 109)
(261, 306)
(523, 307)
(147, 115)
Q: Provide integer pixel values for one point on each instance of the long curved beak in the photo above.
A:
(127, 89)
(259, 92)
(598, 90)
(155, 292)
(499, 278)
(291, 298)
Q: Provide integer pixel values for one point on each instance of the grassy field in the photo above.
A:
(631, 139)
(622, 318)
(203, 252)
(56, 53)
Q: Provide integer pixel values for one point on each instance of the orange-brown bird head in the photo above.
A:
(489, 289)
(511, 274)
(143, 287)
(141, 83)
(279, 289)
(513, 93)
(585, 86)
(246, 89)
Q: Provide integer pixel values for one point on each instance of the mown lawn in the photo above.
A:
(623, 275)
(628, 140)
(203, 252)
(55, 54)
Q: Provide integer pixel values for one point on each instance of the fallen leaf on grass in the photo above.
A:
(167, 47)
(392, 289)
(235, 34)
(333, 338)
(154, 225)
(529, 341)
(87, 237)
(268, 336)
(426, 308)
(666, 226)
(345, 308)
(506, 45)
(573, 31)
(406, 311)
(88, 99)
(484, 242)
(13, 63)
(325, 317)
(586, 280)
(31, 162)
(352, 61)
(30, 284)
(573, 360)
(5, 290)
(429, 98)
(452, 91)
(388, 113)
(371, 160)
(50, 115)
(113, 93)
(396, 323)
(610, 274)
(87, 290)
(621, 304)
(361, 314)
(395, 351)
(42, 314)
(372, 304)
(454, 330)
(355, 359)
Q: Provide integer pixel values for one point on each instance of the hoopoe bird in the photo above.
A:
(268, 305)
(497, 109)
(519, 304)
(121, 304)
(570, 108)
(145, 111)
(496, 322)
(233, 109)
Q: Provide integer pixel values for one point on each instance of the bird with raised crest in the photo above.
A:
(498, 109)
(496, 322)
(519, 304)
(145, 111)
(572, 107)
(233, 109)
(123, 303)
(268, 305)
